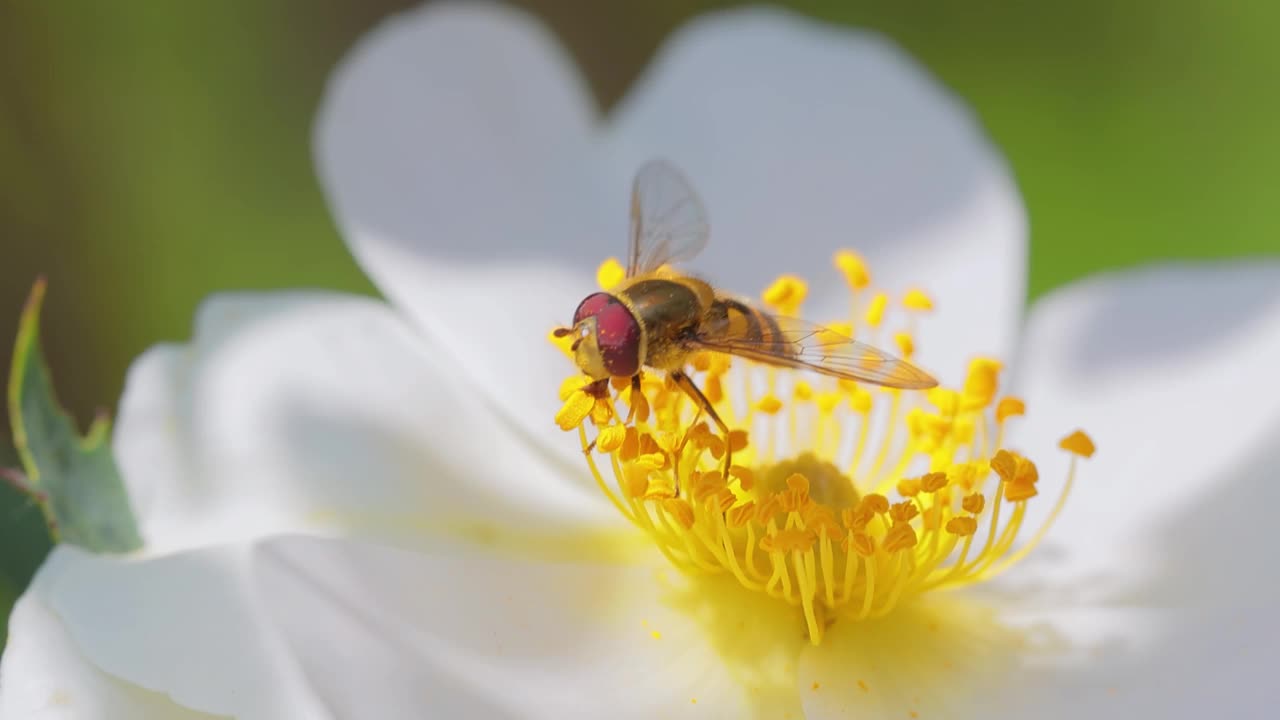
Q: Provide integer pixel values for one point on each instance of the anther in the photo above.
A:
(652, 461)
(918, 300)
(576, 408)
(933, 482)
(900, 537)
(947, 401)
(1008, 407)
(906, 346)
(609, 274)
(1078, 443)
(981, 382)
(611, 438)
(1019, 491)
(746, 478)
(874, 503)
(861, 543)
(786, 294)
(903, 511)
(973, 503)
(854, 268)
(860, 401)
(769, 405)
(856, 519)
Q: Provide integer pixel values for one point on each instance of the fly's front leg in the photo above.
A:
(598, 389)
(635, 391)
(690, 388)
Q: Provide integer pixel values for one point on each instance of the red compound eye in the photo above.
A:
(617, 332)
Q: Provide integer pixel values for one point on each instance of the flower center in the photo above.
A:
(843, 500)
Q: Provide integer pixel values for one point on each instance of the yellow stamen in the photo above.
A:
(609, 274)
(769, 405)
(1010, 407)
(982, 382)
(801, 515)
(916, 299)
(1078, 443)
(786, 294)
(576, 409)
(876, 310)
(611, 438)
(854, 269)
(906, 346)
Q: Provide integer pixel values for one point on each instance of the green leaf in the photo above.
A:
(73, 479)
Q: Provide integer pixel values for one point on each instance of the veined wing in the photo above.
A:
(668, 221)
(790, 342)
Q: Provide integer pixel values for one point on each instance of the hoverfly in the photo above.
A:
(658, 317)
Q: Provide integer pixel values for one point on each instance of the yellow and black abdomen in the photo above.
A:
(732, 320)
(668, 310)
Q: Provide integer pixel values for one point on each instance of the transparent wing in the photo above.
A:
(794, 343)
(668, 221)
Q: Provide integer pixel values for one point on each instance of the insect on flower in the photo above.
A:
(659, 317)
(806, 516)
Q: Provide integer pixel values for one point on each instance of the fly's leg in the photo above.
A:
(598, 389)
(635, 390)
(690, 388)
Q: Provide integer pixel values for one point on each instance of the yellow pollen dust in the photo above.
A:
(844, 500)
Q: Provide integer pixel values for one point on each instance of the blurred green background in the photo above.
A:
(153, 153)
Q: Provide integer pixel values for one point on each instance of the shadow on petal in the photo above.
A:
(1175, 311)
(1218, 554)
(1208, 606)
(401, 481)
(1189, 630)
(47, 676)
(461, 631)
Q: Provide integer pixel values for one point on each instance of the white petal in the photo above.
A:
(325, 413)
(1171, 370)
(463, 632)
(458, 151)
(1136, 660)
(116, 636)
(982, 655)
(453, 147)
(43, 675)
(806, 138)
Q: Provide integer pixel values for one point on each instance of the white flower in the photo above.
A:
(355, 511)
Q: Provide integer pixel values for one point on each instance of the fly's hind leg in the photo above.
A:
(690, 388)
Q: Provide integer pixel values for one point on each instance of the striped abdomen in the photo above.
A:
(733, 320)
